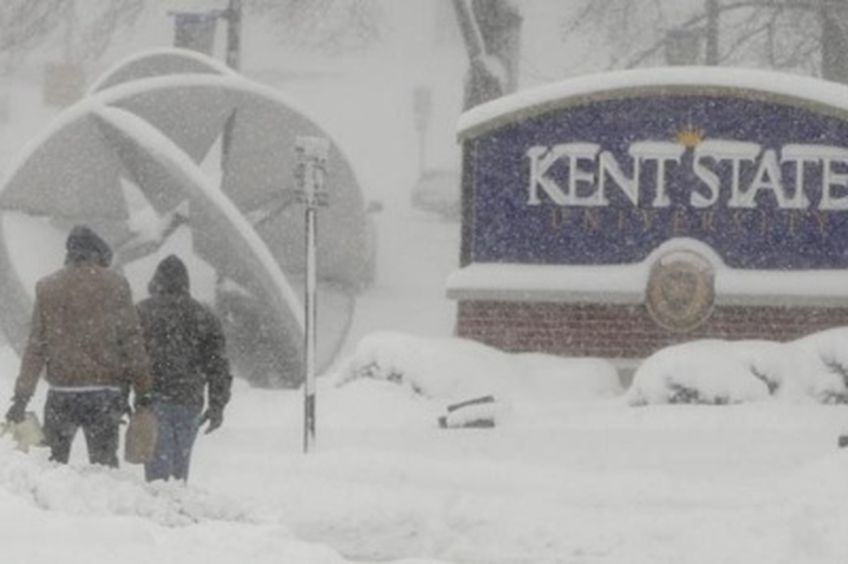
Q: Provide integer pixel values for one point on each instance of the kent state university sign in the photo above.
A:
(604, 176)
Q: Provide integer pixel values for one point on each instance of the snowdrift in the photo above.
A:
(814, 368)
(715, 372)
(454, 369)
(100, 491)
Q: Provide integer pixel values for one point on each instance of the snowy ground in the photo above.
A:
(572, 472)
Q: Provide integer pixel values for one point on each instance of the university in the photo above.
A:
(588, 186)
(616, 215)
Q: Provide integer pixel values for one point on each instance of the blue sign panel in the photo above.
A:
(761, 181)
